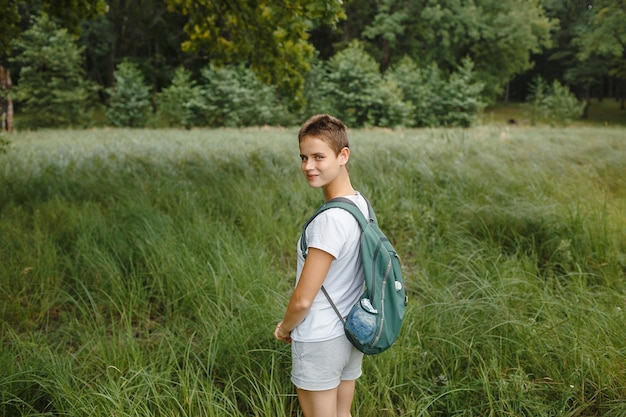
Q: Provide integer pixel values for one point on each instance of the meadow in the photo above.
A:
(142, 272)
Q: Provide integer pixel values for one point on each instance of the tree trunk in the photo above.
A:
(585, 115)
(386, 59)
(507, 91)
(7, 103)
(9, 114)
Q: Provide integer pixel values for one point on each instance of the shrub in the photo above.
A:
(554, 104)
(182, 104)
(129, 104)
(234, 96)
(4, 144)
(437, 101)
(317, 91)
(358, 93)
(462, 97)
(51, 88)
(421, 87)
(388, 109)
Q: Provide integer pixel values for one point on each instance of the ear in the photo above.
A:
(344, 155)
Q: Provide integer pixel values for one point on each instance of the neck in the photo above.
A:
(338, 188)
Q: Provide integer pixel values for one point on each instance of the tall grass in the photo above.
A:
(143, 271)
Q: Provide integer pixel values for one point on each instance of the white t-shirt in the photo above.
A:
(337, 232)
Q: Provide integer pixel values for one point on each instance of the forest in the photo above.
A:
(388, 63)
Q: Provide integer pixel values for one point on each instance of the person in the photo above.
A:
(325, 365)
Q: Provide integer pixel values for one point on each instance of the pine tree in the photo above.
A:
(52, 89)
(129, 104)
(181, 104)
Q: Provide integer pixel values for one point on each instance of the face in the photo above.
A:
(320, 164)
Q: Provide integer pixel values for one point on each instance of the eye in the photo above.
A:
(319, 157)
(303, 158)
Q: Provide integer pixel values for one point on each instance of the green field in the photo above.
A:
(142, 272)
(604, 112)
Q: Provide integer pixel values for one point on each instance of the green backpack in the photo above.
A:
(374, 322)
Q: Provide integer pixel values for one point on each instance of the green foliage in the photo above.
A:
(318, 91)
(350, 85)
(4, 144)
(143, 271)
(553, 104)
(234, 96)
(144, 32)
(606, 35)
(9, 19)
(182, 104)
(421, 87)
(129, 102)
(437, 101)
(462, 96)
(273, 39)
(387, 107)
(352, 88)
(52, 88)
(73, 13)
(498, 36)
(353, 83)
(270, 35)
(70, 14)
(575, 28)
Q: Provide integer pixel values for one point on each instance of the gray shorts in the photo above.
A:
(319, 366)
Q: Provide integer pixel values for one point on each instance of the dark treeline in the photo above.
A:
(303, 56)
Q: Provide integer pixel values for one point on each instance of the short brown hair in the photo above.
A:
(328, 128)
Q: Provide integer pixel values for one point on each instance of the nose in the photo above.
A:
(307, 164)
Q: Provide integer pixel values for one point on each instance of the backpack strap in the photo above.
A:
(330, 300)
(343, 203)
(349, 205)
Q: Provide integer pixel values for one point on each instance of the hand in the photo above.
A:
(279, 334)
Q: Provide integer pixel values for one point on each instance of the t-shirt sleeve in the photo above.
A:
(329, 231)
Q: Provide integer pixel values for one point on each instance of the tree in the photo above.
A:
(351, 86)
(328, 39)
(234, 96)
(66, 13)
(439, 100)
(269, 35)
(129, 105)
(69, 13)
(563, 60)
(9, 19)
(182, 104)
(6, 100)
(388, 27)
(553, 104)
(607, 36)
(52, 86)
(142, 31)
(499, 36)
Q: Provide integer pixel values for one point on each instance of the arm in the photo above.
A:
(313, 274)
